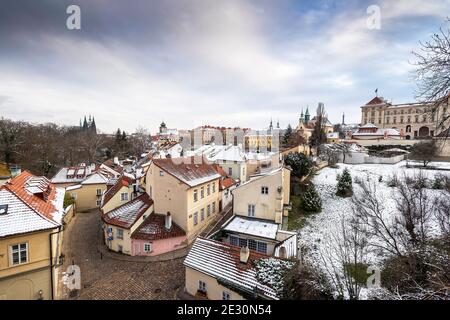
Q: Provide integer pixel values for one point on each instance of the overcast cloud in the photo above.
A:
(232, 63)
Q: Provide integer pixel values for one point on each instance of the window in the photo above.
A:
(234, 240)
(195, 195)
(226, 295)
(99, 192)
(202, 286)
(119, 233)
(99, 203)
(230, 171)
(387, 120)
(74, 196)
(202, 214)
(208, 190)
(19, 253)
(264, 190)
(214, 187)
(124, 196)
(213, 207)
(208, 210)
(252, 244)
(242, 242)
(195, 218)
(147, 247)
(262, 247)
(161, 173)
(251, 210)
(202, 192)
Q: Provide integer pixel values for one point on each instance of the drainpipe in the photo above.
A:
(51, 259)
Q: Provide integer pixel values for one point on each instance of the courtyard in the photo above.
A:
(106, 276)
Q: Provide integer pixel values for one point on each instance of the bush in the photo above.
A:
(393, 181)
(68, 200)
(311, 201)
(344, 185)
(439, 182)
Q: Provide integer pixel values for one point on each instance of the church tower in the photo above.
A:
(307, 116)
(302, 118)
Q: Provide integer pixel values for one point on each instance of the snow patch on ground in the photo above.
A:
(322, 230)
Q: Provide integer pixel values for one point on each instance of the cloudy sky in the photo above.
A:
(233, 63)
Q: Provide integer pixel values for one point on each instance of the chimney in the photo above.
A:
(244, 254)
(168, 222)
(116, 160)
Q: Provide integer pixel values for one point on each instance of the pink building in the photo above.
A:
(157, 235)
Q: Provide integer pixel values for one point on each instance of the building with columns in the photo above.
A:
(412, 120)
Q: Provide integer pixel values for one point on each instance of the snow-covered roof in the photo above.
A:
(218, 153)
(126, 215)
(221, 261)
(253, 227)
(30, 205)
(96, 178)
(74, 187)
(379, 132)
(71, 174)
(369, 125)
(259, 156)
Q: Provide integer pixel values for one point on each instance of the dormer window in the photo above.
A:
(3, 209)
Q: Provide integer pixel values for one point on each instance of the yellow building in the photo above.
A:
(219, 271)
(88, 194)
(31, 213)
(260, 140)
(264, 196)
(187, 188)
(118, 194)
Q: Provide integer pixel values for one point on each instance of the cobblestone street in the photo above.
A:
(103, 277)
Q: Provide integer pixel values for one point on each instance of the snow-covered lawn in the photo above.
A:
(320, 231)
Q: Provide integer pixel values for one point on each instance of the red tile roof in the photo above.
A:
(36, 192)
(121, 182)
(225, 181)
(116, 167)
(190, 171)
(154, 228)
(376, 100)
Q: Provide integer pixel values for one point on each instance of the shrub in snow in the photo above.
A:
(441, 181)
(344, 186)
(271, 271)
(311, 201)
(393, 181)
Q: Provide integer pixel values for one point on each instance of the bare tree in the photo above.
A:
(343, 255)
(433, 72)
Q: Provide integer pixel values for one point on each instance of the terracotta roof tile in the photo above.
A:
(36, 192)
(154, 228)
(121, 182)
(189, 171)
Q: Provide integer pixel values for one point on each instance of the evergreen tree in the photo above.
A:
(344, 186)
(287, 134)
(118, 135)
(300, 164)
(311, 201)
